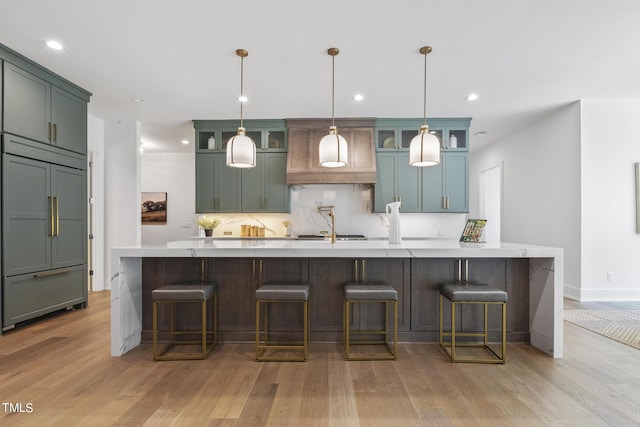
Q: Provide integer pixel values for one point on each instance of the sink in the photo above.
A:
(338, 237)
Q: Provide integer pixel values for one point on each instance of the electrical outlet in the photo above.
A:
(610, 276)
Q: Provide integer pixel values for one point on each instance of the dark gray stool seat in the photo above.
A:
(472, 293)
(370, 292)
(188, 292)
(281, 292)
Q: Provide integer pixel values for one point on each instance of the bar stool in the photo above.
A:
(281, 292)
(193, 292)
(377, 292)
(472, 293)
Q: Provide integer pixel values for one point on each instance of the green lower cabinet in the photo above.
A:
(220, 188)
(445, 187)
(217, 185)
(31, 295)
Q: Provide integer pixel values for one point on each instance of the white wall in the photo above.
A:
(610, 147)
(174, 174)
(122, 187)
(541, 185)
(96, 149)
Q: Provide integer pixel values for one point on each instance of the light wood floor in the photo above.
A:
(62, 367)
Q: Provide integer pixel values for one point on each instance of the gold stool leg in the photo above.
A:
(155, 329)
(257, 328)
(395, 329)
(453, 331)
(504, 332)
(203, 322)
(306, 329)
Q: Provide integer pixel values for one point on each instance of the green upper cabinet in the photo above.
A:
(220, 188)
(442, 188)
(39, 110)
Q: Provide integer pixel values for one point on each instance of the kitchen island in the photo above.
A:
(532, 275)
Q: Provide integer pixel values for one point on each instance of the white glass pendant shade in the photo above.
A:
(241, 151)
(424, 149)
(333, 149)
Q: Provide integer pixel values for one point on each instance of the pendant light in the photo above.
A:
(241, 150)
(424, 149)
(333, 147)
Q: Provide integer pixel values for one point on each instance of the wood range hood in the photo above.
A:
(303, 165)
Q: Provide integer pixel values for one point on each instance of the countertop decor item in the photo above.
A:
(424, 149)
(208, 223)
(333, 147)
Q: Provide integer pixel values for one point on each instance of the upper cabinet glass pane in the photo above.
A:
(386, 139)
(438, 133)
(407, 136)
(227, 135)
(457, 139)
(207, 141)
(276, 140)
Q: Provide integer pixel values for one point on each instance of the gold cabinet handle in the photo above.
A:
(55, 132)
(57, 216)
(52, 230)
(52, 273)
(49, 131)
(364, 270)
(355, 265)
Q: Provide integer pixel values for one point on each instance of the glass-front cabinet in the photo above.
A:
(442, 188)
(213, 135)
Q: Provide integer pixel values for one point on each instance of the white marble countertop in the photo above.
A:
(410, 248)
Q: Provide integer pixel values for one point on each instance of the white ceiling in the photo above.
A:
(524, 58)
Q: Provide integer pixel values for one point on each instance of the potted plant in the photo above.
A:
(208, 223)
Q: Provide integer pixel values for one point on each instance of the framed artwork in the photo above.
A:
(153, 208)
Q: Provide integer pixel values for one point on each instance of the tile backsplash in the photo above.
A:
(352, 206)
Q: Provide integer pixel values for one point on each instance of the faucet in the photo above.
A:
(332, 214)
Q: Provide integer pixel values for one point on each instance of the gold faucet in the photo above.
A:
(332, 214)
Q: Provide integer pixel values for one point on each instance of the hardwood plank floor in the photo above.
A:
(59, 372)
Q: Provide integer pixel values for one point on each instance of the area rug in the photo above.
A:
(620, 325)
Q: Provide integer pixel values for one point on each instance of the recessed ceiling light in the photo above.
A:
(243, 98)
(358, 97)
(185, 142)
(54, 45)
(472, 97)
(138, 100)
